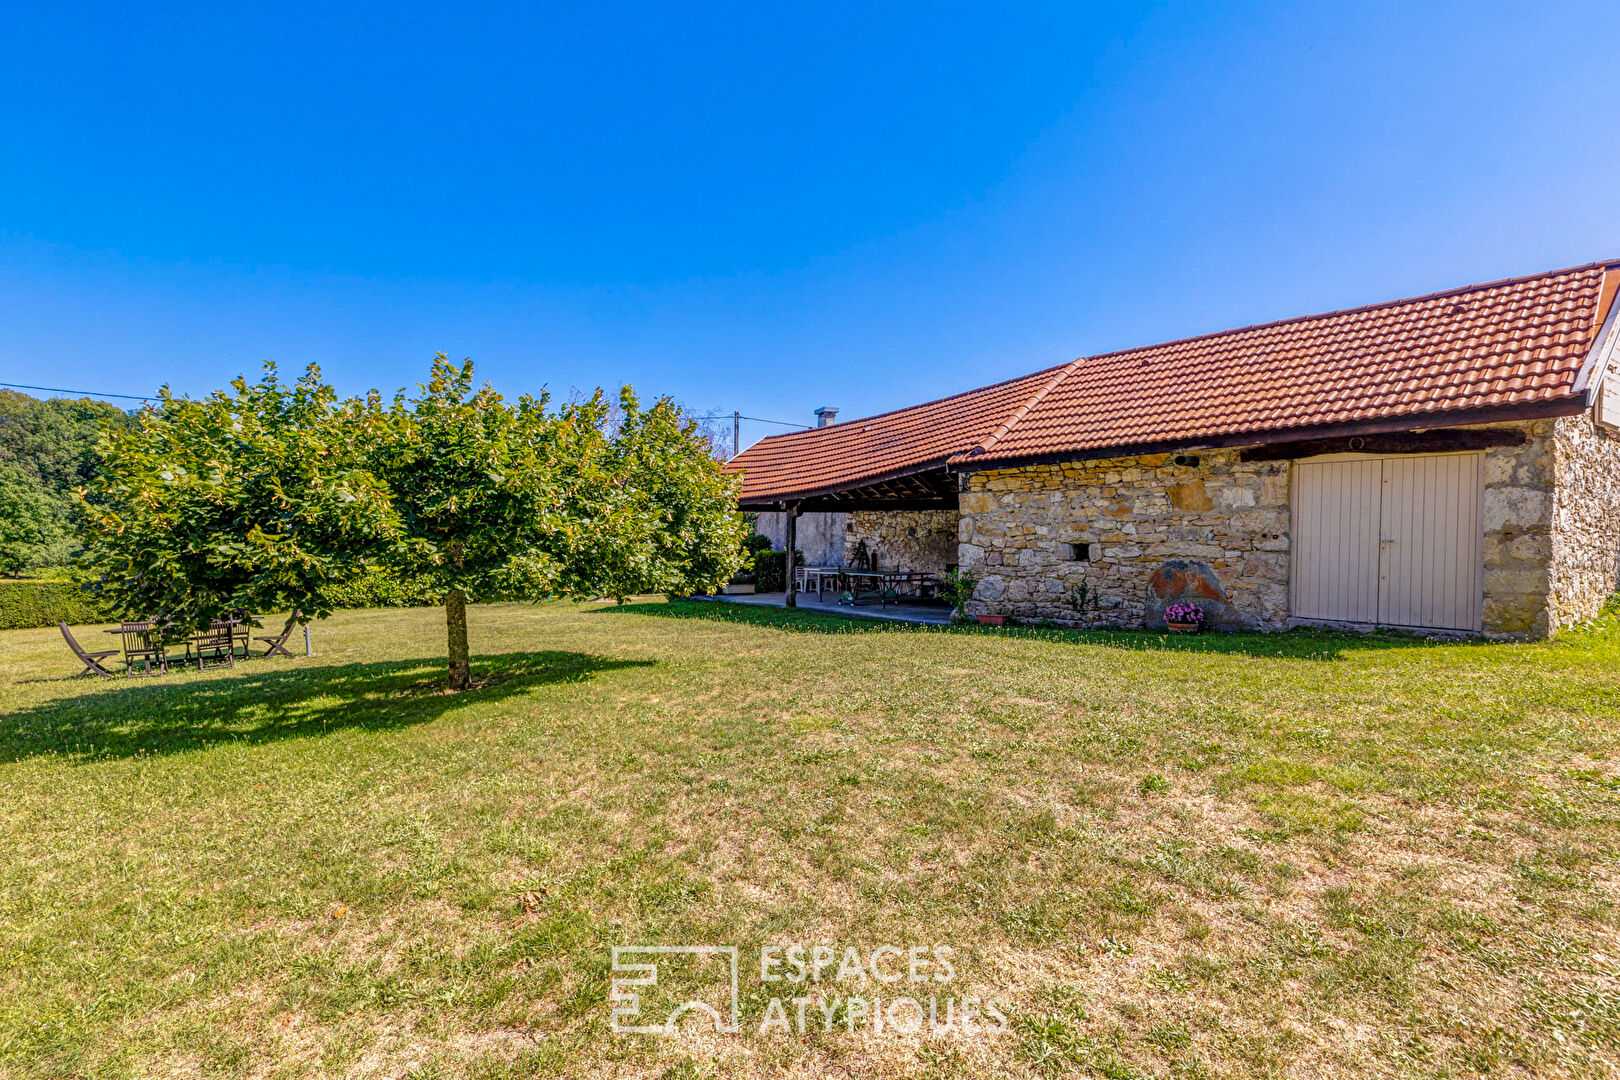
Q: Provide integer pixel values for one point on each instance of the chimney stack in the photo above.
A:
(826, 416)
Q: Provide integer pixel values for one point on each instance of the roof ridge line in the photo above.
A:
(1439, 294)
(852, 421)
(1023, 410)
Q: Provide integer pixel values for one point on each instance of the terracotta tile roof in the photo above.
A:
(879, 447)
(1519, 342)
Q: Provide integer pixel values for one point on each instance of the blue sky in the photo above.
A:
(766, 207)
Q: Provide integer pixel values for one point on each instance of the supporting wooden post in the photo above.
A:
(791, 543)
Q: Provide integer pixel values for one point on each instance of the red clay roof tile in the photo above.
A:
(1505, 343)
(878, 447)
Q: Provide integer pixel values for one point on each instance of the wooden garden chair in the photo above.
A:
(243, 626)
(278, 642)
(143, 644)
(92, 660)
(219, 640)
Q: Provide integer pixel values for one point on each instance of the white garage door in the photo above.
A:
(1392, 541)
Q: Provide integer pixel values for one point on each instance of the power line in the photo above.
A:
(81, 393)
(756, 419)
(149, 397)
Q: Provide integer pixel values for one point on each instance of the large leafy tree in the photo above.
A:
(259, 499)
(516, 499)
(250, 500)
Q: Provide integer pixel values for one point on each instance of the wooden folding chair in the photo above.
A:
(219, 640)
(92, 660)
(278, 642)
(143, 644)
(242, 628)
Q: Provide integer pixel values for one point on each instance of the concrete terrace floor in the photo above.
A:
(933, 614)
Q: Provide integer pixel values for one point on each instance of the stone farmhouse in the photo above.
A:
(1447, 462)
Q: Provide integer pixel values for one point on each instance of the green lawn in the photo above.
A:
(1301, 856)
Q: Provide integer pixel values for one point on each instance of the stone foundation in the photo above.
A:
(903, 539)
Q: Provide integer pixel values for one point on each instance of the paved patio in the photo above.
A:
(932, 614)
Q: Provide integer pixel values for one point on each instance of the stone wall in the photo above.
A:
(1585, 566)
(1218, 533)
(904, 539)
(1215, 533)
(1518, 533)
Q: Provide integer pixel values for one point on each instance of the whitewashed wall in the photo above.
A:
(820, 536)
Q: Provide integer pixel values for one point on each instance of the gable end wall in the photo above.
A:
(1585, 569)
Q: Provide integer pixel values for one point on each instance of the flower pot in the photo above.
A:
(993, 620)
(1183, 627)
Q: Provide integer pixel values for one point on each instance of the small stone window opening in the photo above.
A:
(1080, 552)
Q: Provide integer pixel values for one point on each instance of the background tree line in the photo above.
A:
(47, 450)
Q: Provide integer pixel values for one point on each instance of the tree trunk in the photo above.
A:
(455, 619)
(792, 541)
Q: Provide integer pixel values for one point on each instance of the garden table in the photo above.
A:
(865, 584)
(820, 575)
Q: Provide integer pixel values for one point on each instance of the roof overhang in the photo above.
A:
(931, 486)
(1539, 410)
(934, 486)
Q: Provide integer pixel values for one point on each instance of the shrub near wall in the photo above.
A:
(770, 569)
(28, 603)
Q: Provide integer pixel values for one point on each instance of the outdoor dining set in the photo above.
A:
(145, 645)
(856, 585)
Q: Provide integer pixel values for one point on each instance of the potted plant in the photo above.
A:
(1184, 618)
(956, 589)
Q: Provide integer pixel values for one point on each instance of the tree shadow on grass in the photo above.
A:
(267, 703)
(1298, 644)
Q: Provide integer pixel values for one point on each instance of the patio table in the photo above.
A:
(818, 574)
(863, 585)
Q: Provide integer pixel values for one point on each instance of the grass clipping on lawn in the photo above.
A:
(1222, 856)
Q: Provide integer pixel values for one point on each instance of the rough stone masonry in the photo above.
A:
(1112, 542)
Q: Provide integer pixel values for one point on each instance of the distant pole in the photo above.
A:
(736, 433)
(306, 641)
(792, 598)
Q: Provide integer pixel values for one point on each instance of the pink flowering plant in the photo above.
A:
(1184, 613)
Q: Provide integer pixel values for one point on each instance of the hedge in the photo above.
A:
(381, 588)
(29, 602)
